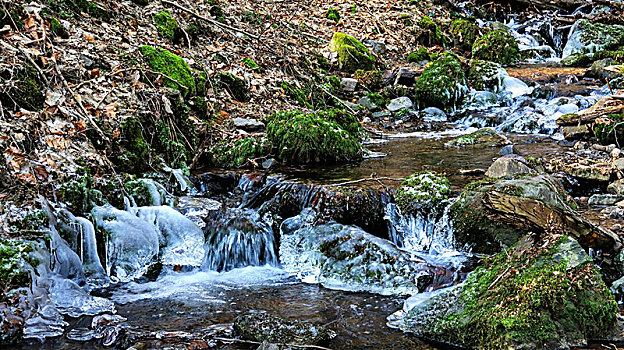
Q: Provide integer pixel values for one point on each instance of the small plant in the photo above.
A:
(333, 14)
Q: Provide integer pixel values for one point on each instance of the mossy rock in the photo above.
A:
(420, 56)
(576, 60)
(262, 327)
(486, 76)
(442, 84)
(239, 152)
(609, 130)
(465, 34)
(25, 91)
(617, 56)
(301, 138)
(428, 33)
(496, 46)
(134, 154)
(423, 192)
(234, 85)
(345, 120)
(171, 65)
(57, 28)
(15, 256)
(485, 137)
(587, 38)
(544, 294)
(166, 25)
(352, 54)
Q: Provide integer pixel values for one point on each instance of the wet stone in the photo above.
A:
(249, 125)
(400, 103)
(348, 84)
(604, 199)
(263, 327)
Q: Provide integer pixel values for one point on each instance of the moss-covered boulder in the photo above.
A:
(239, 152)
(166, 25)
(465, 33)
(486, 76)
(352, 54)
(177, 72)
(423, 192)
(496, 46)
(346, 120)
(587, 37)
(543, 294)
(15, 256)
(235, 86)
(428, 33)
(302, 138)
(421, 56)
(442, 84)
(576, 60)
(492, 215)
(485, 137)
(23, 91)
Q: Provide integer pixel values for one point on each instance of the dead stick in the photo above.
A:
(258, 343)
(376, 179)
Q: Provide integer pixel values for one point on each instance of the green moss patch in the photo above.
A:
(166, 25)
(422, 55)
(234, 85)
(485, 137)
(25, 90)
(352, 54)
(333, 15)
(496, 46)
(486, 76)
(465, 33)
(424, 191)
(239, 152)
(14, 255)
(442, 84)
(302, 138)
(610, 130)
(171, 65)
(430, 33)
(74, 8)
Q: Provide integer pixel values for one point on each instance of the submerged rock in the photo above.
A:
(507, 166)
(263, 327)
(485, 137)
(543, 294)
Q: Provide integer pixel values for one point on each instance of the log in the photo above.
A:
(604, 106)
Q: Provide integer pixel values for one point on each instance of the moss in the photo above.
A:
(424, 191)
(251, 64)
(166, 25)
(200, 106)
(465, 34)
(598, 36)
(485, 137)
(345, 120)
(74, 8)
(80, 193)
(312, 94)
(139, 191)
(170, 144)
(617, 56)
(13, 17)
(610, 130)
(486, 76)
(442, 84)
(201, 81)
(333, 15)
(25, 90)
(422, 55)
(171, 65)
(576, 60)
(239, 152)
(308, 138)
(378, 99)
(541, 295)
(134, 155)
(234, 85)
(432, 33)
(14, 255)
(352, 55)
(57, 28)
(252, 18)
(496, 46)
(370, 79)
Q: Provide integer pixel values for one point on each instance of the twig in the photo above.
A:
(80, 105)
(499, 277)
(258, 343)
(339, 100)
(211, 21)
(376, 179)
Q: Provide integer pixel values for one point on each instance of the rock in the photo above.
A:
(506, 167)
(213, 183)
(198, 208)
(352, 55)
(348, 84)
(616, 153)
(381, 115)
(377, 45)
(619, 164)
(268, 346)
(604, 199)
(497, 46)
(405, 76)
(483, 98)
(367, 103)
(433, 114)
(485, 137)
(428, 33)
(541, 294)
(472, 171)
(263, 327)
(249, 125)
(616, 187)
(400, 103)
(509, 149)
(491, 216)
(587, 37)
(442, 84)
(425, 191)
(576, 60)
(572, 133)
(597, 69)
(269, 163)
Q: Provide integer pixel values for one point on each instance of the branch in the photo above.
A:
(258, 343)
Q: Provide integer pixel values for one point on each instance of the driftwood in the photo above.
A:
(604, 106)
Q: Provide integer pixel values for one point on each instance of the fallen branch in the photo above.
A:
(258, 343)
(376, 179)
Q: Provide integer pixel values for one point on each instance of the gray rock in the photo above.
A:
(249, 125)
(405, 76)
(376, 45)
(367, 103)
(400, 103)
(604, 199)
(381, 115)
(587, 37)
(616, 187)
(269, 163)
(506, 166)
(262, 327)
(575, 132)
(484, 98)
(619, 164)
(348, 84)
(433, 114)
(509, 149)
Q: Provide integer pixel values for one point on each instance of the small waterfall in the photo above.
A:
(430, 233)
(238, 238)
(85, 245)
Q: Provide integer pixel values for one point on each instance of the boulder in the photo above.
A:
(541, 294)
(599, 200)
(587, 37)
(250, 125)
(616, 187)
(485, 137)
(263, 327)
(400, 103)
(348, 84)
(497, 46)
(442, 84)
(506, 167)
(572, 133)
(352, 54)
